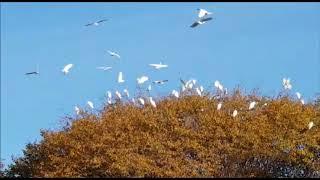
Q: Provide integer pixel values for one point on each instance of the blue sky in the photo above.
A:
(253, 45)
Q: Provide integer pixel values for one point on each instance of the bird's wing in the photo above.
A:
(89, 24)
(194, 24)
(206, 19)
(182, 82)
(102, 20)
(68, 66)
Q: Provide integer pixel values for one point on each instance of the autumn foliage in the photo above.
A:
(182, 137)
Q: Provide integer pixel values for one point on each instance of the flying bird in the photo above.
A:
(203, 12)
(120, 78)
(109, 94)
(200, 22)
(252, 104)
(90, 104)
(201, 89)
(286, 83)
(142, 79)
(158, 66)
(175, 93)
(114, 54)
(298, 95)
(152, 102)
(34, 72)
(219, 106)
(105, 68)
(66, 69)
(97, 23)
(218, 85)
(160, 82)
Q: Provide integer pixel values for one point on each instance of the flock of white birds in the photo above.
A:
(202, 19)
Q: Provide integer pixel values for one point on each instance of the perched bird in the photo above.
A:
(96, 23)
(160, 82)
(105, 68)
(109, 101)
(66, 69)
(120, 78)
(159, 66)
(152, 102)
(203, 13)
(175, 93)
(252, 104)
(200, 22)
(126, 92)
(141, 101)
(298, 95)
(142, 79)
(235, 112)
(114, 54)
(77, 110)
(286, 83)
(118, 94)
(310, 125)
(302, 101)
(219, 106)
(218, 85)
(265, 104)
(90, 104)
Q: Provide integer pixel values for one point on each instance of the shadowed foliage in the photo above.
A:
(182, 137)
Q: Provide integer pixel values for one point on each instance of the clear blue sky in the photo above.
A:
(253, 45)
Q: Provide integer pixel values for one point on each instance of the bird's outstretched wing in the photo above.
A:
(89, 24)
(102, 20)
(206, 19)
(194, 24)
(182, 82)
(31, 73)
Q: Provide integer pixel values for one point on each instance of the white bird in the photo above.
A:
(105, 68)
(298, 95)
(126, 92)
(90, 104)
(96, 23)
(218, 85)
(203, 13)
(114, 54)
(149, 87)
(219, 106)
(201, 88)
(310, 125)
(142, 79)
(160, 82)
(200, 22)
(265, 104)
(120, 78)
(302, 101)
(159, 66)
(198, 91)
(109, 101)
(235, 112)
(252, 104)
(66, 69)
(133, 101)
(109, 94)
(286, 83)
(77, 110)
(175, 93)
(118, 94)
(152, 102)
(141, 101)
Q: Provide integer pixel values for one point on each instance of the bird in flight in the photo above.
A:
(114, 54)
(203, 12)
(160, 82)
(66, 69)
(34, 72)
(90, 104)
(200, 22)
(120, 78)
(142, 79)
(105, 68)
(158, 66)
(175, 93)
(96, 23)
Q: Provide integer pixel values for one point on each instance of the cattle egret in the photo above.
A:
(218, 85)
(142, 79)
(203, 12)
(252, 104)
(90, 104)
(149, 88)
(235, 112)
(152, 102)
(310, 125)
(160, 82)
(34, 72)
(175, 93)
(200, 22)
(109, 101)
(141, 101)
(118, 94)
(219, 106)
(66, 69)
(198, 91)
(126, 92)
(158, 66)
(109, 94)
(96, 23)
(298, 95)
(120, 78)
(105, 68)
(302, 101)
(77, 110)
(286, 83)
(201, 88)
(114, 54)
